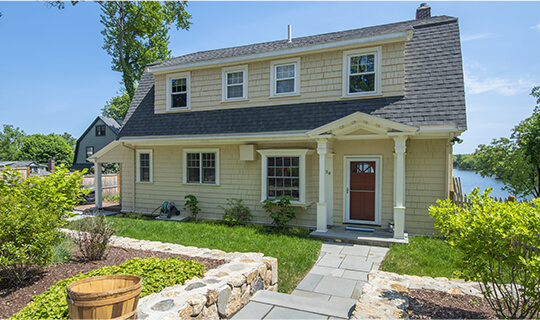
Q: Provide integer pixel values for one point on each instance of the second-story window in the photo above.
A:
(235, 83)
(285, 77)
(89, 152)
(361, 74)
(178, 91)
(100, 130)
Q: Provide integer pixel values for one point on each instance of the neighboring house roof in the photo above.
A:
(434, 90)
(20, 164)
(113, 124)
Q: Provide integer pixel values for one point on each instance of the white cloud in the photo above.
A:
(503, 86)
(536, 27)
(477, 36)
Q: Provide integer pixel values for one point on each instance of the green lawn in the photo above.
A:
(295, 250)
(423, 256)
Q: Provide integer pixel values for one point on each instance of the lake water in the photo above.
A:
(471, 179)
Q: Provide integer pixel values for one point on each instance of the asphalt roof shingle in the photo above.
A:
(434, 90)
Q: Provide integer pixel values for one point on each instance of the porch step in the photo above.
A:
(264, 301)
(379, 237)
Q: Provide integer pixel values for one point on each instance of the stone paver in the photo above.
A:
(356, 250)
(253, 310)
(309, 282)
(356, 263)
(326, 271)
(285, 313)
(331, 260)
(355, 275)
(334, 286)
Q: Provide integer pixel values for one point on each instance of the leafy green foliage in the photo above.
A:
(236, 213)
(465, 161)
(423, 256)
(117, 107)
(295, 250)
(31, 210)
(157, 274)
(70, 140)
(280, 210)
(11, 140)
(41, 148)
(192, 204)
(501, 249)
(63, 251)
(92, 236)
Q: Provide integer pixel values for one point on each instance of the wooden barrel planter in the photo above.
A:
(104, 297)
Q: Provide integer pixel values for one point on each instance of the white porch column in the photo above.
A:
(330, 188)
(97, 184)
(399, 186)
(324, 149)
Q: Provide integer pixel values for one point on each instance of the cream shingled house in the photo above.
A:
(357, 126)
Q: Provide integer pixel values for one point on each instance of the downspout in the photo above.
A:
(134, 174)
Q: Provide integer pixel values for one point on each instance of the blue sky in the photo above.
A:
(55, 76)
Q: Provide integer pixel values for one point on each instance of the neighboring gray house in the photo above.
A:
(99, 134)
(26, 168)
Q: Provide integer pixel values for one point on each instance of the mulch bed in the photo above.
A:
(432, 304)
(15, 297)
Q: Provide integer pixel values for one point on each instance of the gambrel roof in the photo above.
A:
(434, 89)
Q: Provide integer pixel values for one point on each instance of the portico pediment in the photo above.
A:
(362, 126)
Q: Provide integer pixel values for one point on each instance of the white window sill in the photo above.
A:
(235, 100)
(171, 110)
(303, 205)
(200, 184)
(287, 95)
(145, 182)
(362, 95)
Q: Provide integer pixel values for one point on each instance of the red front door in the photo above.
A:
(362, 190)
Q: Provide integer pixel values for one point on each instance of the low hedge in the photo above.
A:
(157, 274)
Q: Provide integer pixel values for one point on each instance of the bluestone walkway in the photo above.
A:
(329, 291)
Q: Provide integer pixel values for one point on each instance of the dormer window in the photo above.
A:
(178, 97)
(362, 69)
(235, 83)
(285, 77)
(100, 130)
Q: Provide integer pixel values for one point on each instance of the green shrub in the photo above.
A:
(501, 250)
(92, 236)
(157, 274)
(63, 251)
(280, 210)
(192, 205)
(31, 210)
(236, 213)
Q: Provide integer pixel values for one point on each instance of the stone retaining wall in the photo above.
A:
(383, 297)
(218, 295)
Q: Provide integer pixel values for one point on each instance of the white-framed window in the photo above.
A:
(235, 83)
(285, 77)
(362, 72)
(178, 91)
(89, 152)
(144, 165)
(283, 173)
(201, 166)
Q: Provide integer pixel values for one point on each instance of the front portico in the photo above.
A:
(362, 181)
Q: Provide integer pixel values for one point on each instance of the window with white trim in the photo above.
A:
(144, 166)
(100, 130)
(89, 152)
(285, 77)
(178, 91)
(235, 83)
(284, 174)
(201, 166)
(362, 70)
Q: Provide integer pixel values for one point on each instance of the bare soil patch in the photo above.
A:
(432, 304)
(15, 297)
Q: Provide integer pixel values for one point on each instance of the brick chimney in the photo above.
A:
(50, 165)
(423, 11)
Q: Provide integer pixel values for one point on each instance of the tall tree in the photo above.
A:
(516, 160)
(117, 107)
(11, 140)
(40, 148)
(71, 141)
(137, 33)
